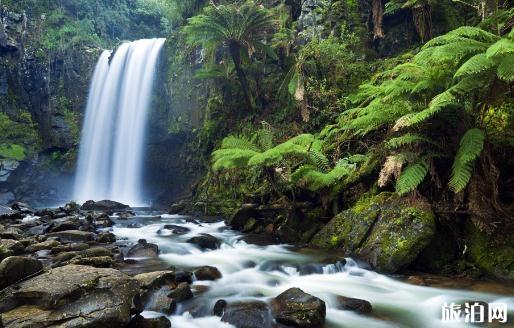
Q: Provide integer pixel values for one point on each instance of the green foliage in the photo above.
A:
(12, 151)
(471, 146)
(411, 178)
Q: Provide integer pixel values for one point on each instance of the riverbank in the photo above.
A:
(103, 263)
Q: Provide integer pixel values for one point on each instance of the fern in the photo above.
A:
(319, 160)
(411, 177)
(505, 69)
(471, 146)
(406, 139)
(234, 142)
(503, 47)
(475, 65)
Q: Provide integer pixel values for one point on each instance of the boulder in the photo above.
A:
(70, 296)
(106, 238)
(104, 205)
(182, 292)
(173, 229)
(250, 314)
(160, 301)
(11, 233)
(10, 247)
(7, 213)
(47, 244)
(143, 249)
(139, 321)
(16, 268)
(183, 276)
(72, 236)
(387, 231)
(96, 261)
(64, 225)
(354, 304)
(155, 279)
(96, 251)
(205, 241)
(297, 308)
(207, 273)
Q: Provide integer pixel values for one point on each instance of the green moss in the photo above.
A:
(496, 259)
(12, 151)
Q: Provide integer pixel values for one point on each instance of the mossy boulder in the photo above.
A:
(494, 257)
(387, 231)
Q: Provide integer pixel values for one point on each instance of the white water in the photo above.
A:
(253, 272)
(111, 147)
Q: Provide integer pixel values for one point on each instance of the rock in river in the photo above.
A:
(143, 249)
(250, 314)
(297, 308)
(205, 241)
(207, 273)
(70, 296)
(104, 205)
(15, 268)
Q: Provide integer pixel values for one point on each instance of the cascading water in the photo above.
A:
(111, 147)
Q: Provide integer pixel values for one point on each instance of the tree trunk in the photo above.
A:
(377, 16)
(235, 52)
(422, 17)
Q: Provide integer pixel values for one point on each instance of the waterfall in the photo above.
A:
(112, 141)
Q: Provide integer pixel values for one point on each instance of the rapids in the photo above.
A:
(252, 272)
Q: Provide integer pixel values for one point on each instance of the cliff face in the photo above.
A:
(42, 95)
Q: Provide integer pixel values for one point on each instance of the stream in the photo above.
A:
(261, 272)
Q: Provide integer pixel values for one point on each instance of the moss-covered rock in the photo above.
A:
(387, 231)
(495, 258)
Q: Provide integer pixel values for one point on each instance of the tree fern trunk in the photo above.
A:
(235, 52)
(377, 16)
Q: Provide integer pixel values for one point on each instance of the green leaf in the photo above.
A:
(471, 146)
(503, 47)
(475, 65)
(411, 177)
(505, 70)
(293, 84)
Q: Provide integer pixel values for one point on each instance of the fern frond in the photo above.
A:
(475, 65)
(439, 102)
(505, 70)
(411, 177)
(503, 47)
(471, 146)
(319, 160)
(231, 158)
(235, 142)
(406, 139)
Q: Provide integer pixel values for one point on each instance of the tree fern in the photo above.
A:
(505, 70)
(319, 160)
(475, 65)
(411, 177)
(502, 47)
(471, 146)
(235, 142)
(406, 139)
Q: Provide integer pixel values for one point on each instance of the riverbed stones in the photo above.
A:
(205, 241)
(72, 236)
(139, 321)
(207, 273)
(16, 268)
(249, 314)
(182, 292)
(10, 247)
(106, 237)
(173, 229)
(70, 296)
(385, 230)
(47, 244)
(297, 308)
(143, 249)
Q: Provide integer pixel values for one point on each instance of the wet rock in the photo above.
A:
(205, 241)
(159, 301)
(70, 296)
(182, 292)
(297, 308)
(101, 220)
(38, 230)
(106, 238)
(155, 279)
(173, 229)
(64, 257)
(139, 321)
(76, 247)
(219, 308)
(126, 215)
(96, 251)
(73, 236)
(7, 213)
(97, 261)
(64, 225)
(16, 268)
(381, 230)
(23, 208)
(354, 304)
(143, 249)
(11, 233)
(104, 205)
(183, 276)
(48, 244)
(251, 314)
(246, 213)
(10, 247)
(207, 273)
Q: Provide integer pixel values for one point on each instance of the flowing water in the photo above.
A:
(252, 272)
(111, 146)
